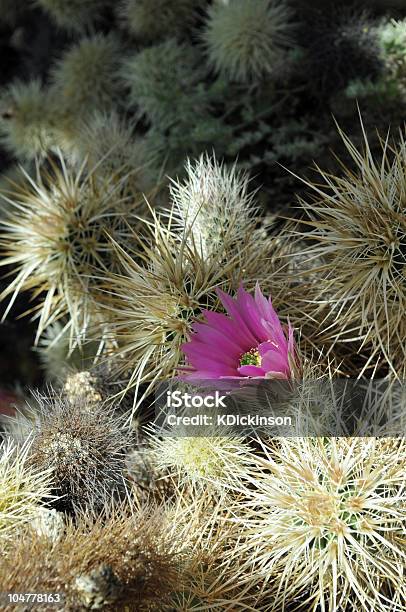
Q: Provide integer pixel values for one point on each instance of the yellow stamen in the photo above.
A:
(251, 358)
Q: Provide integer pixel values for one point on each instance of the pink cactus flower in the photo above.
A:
(250, 342)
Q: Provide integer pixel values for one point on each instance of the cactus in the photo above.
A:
(247, 40)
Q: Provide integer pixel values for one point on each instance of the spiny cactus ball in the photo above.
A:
(149, 20)
(246, 40)
(85, 445)
(57, 238)
(26, 128)
(109, 142)
(324, 524)
(358, 229)
(214, 204)
(199, 460)
(85, 80)
(74, 15)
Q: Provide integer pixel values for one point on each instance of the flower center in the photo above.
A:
(251, 358)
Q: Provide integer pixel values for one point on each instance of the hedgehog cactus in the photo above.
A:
(57, 239)
(358, 229)
(84, 444)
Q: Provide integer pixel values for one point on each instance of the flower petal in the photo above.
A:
(229, 327)
(273, 361)
(252, 315)
(195, 351)
(251, 370)
(233, 309)
(216, 338)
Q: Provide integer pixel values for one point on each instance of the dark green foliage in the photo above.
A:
(151, 20)
(161, 78)
(74, 15)
(341, 44)
(166, 83)
(168, 148)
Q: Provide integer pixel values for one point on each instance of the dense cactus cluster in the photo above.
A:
(218, 331)
(228, 65)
